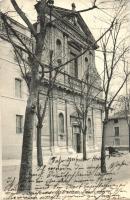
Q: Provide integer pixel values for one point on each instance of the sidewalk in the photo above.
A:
(16, 162)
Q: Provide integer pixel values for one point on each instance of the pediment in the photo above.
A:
(76, 20)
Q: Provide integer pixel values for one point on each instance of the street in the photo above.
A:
(72, 178)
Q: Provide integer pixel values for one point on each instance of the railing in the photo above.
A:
(68, 81)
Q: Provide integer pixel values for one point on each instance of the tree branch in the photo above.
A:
(24, 18)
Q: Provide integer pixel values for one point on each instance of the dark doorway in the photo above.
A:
(78, 138)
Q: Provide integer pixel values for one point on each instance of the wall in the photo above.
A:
(10, 105)
(123, 132)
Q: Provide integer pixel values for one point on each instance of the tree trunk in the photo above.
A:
(129, 135)
(39, 147)
(25, 176)
(103, 152)
(84, 146)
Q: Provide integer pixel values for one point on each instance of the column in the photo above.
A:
(66, 122)
(0, 151)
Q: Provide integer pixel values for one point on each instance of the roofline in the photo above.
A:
(16, 22)
(77, 13)
(119, 117)
(91, 40)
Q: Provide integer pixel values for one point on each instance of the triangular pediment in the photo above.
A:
(73, 19)
(76, 20)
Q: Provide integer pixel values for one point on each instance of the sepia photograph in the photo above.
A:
(65, 99)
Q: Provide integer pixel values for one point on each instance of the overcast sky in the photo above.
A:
(95, 18)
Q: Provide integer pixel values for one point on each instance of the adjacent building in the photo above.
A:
(61, 132)
(117, 132)
(13, 95)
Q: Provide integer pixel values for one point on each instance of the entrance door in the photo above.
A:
(78, 138)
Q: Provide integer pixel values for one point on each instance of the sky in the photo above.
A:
(98, 20)
(94, 19)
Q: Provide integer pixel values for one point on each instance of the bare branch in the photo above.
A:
(24, 18)
(117, 92)
(74, 13)
(14, 33)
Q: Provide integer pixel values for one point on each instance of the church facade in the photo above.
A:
(61, 132)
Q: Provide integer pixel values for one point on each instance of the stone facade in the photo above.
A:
(60, 132)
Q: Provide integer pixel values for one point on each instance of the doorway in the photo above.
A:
(77, 138)
(78, 143)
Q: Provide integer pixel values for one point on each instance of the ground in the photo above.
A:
(68, 178)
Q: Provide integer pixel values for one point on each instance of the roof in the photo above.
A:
(15, 22)
(119, 115)
(66, 12)
(18, 27)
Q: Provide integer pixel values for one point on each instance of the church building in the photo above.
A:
(69, 38)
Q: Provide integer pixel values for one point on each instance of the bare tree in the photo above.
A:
(34, 56)
(114, 51)
(30, 71)
(34, 59)
(90, 91)
(42, 106)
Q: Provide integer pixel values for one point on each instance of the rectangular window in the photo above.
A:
(115, 120)
(19, 123)
(18, 91)
(73, 66)
(116, 131)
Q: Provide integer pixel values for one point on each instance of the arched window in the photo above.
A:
(58, 44)
(59, 51)
(86, 69)
(86, 64)
(86, 60)
(61, 123)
